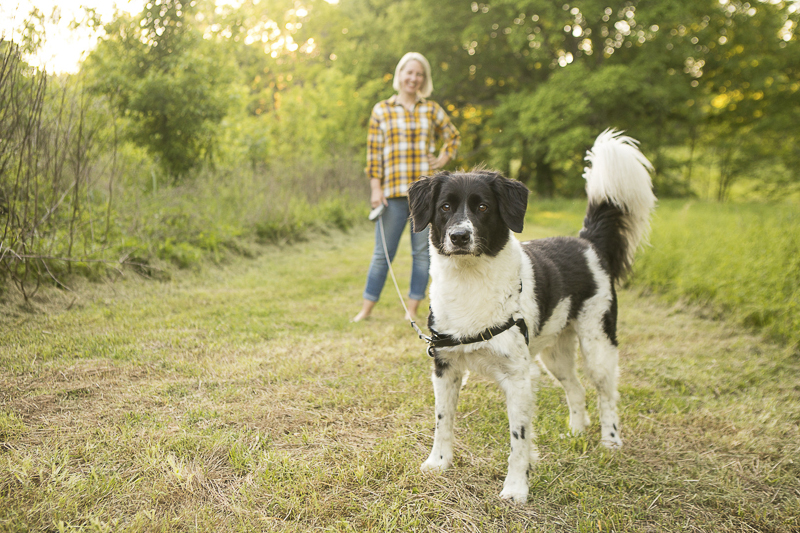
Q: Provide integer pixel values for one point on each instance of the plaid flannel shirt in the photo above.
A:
(399, 140)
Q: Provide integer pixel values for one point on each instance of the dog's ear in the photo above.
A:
(421, 197)
(512, 196)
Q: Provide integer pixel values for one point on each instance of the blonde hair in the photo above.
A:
(427, 87)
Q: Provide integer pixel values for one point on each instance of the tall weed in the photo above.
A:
(225, 209)
(57, 175)
(742, 260)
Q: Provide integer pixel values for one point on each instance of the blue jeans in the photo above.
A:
(394, 222)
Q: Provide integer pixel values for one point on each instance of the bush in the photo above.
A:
(300, 217)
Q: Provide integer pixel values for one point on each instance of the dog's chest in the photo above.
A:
(468, 297)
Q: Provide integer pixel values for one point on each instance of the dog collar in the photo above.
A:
(444, 340)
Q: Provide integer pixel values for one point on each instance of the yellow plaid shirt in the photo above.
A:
(398, 141)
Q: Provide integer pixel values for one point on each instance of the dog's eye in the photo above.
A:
(482, 208)
(445, 207)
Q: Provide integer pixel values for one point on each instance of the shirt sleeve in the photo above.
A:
(374, 146)
(451, 138)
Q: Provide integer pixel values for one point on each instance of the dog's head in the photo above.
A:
(469, 213)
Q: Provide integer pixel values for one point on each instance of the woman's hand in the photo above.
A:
(435, 163)
(376, 196)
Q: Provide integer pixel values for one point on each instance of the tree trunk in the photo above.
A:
(545, 183)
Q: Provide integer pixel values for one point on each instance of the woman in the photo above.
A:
(400, 145)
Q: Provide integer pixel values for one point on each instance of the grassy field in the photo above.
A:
(741, 261)
(738, 261)
(240, 398)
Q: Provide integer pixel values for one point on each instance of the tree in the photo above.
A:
(671, 73)
(528, 82)
(170, 83)
(751, 78)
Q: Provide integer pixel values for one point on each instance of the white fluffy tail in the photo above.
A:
(620, 175)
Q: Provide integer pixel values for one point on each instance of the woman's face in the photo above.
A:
(412, 76)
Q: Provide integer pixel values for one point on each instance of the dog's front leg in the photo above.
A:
(520, 405)
(446, 386)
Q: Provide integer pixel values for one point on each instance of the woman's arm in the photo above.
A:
(435, 163)
(450, 136)
(376, 196)
(374, 168)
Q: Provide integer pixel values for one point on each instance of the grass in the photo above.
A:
(215, 216)
(240, 398)
(740, 261)
(223, 213)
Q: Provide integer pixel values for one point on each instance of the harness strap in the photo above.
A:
(444, 340)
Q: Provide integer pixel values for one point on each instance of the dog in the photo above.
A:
(497, 304)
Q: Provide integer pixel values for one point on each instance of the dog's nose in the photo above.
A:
(460, 237)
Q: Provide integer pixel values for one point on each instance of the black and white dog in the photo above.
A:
(497, 303)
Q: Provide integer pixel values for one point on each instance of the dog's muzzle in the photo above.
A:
(460, 239)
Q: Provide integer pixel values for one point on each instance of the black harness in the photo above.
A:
(444, 340)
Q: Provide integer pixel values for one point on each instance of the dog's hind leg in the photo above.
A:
(559, 359)
(601, 362)
(446, 386)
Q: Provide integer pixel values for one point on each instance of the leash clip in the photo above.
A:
(422, 335)
(428, 340)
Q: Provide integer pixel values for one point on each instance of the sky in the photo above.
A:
(63, 48)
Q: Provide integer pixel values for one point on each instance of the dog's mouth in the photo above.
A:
(461, 251)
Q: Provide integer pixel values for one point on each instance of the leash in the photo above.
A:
(443, 340)
(422, 335)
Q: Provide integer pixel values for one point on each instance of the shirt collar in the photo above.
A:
(394, 100)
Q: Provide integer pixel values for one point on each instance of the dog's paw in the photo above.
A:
(516, 495)
(436, 464)
(612, 443)
(610, 437)
(578, 422)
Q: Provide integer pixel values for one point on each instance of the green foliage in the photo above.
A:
(741, 260)
(299, 217)
(56, 175)
(316, 122)
(529, 82)
(218, 214)
(561, 216)
(11, 426)
(170, 83)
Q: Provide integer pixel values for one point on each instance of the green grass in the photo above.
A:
(161, 231)
(740, 261)
(559, 216)
(222, 214)
(240, 398)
